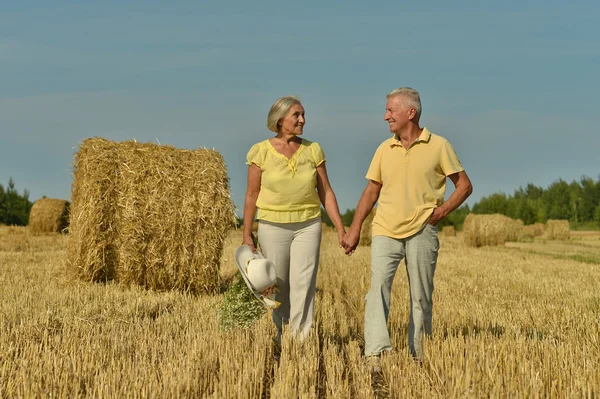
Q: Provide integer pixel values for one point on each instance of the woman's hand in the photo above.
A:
(248, 241)
(341, 233)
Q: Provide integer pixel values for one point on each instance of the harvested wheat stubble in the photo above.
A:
(449, 231)
(148, 214)
(496, 229)
(49, 215)
(367, 229)
(558, 229)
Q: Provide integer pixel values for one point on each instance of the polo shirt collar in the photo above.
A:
(423, 137)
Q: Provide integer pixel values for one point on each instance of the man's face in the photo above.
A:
(398, 114)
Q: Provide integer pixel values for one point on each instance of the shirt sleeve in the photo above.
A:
(318, 154)
(374, 172)
(449, 161)
(255, 156)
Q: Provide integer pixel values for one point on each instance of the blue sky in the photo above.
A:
(513, 85)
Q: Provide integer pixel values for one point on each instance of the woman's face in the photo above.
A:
(294, 121)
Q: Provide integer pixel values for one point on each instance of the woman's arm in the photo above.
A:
(252, 191)
(329, 201)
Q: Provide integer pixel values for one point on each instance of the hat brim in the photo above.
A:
(243, 254)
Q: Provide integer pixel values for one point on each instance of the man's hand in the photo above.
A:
(350, 241)
(438, 214)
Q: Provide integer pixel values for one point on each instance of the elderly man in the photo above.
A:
(407, 178)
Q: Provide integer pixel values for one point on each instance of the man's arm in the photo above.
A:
(463, 188)
(367, 200)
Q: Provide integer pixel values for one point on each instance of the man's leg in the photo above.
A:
(386, 254)
(421, 258)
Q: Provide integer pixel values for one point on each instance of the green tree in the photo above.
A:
(348, 216)
(495, 203)
(2, 205)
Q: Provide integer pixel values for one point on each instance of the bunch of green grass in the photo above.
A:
(240, 308)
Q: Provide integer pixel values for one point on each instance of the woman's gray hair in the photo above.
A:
(279, 110)
(410, 96)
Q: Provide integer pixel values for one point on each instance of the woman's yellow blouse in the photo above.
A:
(288, 186)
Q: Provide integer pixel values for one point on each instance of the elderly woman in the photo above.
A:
(287, 182)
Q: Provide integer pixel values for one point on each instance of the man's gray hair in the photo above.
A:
(279, 110)
(410, 96)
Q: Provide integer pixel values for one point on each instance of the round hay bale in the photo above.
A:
(558, 230)
(151, 215)
(367, 228)
(49, 215)
(528, 233)
(484, 230)
(514, 229)
(538, 229)
(449, 231)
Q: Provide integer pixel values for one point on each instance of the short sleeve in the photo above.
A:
(255, 156)
(449, 161)
(374, 172)
(318, 154)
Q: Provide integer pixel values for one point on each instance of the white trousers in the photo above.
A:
(294, 249)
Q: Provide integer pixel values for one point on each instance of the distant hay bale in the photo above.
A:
(449, 231)
(533, 230)
(367, 228)
(49, 215)
(558, 229)
(483, 230)
(496, 229)
(538, 229)
(528, 233)
(513, 229)
(148, 214)
(254, 226)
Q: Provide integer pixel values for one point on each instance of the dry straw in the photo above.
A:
(496, 229)
(557, 229)
(49, 215)
(449, 231)
(148, 214)
(367, 228)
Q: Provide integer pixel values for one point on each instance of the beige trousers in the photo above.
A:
(294, 249)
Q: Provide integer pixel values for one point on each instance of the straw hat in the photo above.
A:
(259, 274)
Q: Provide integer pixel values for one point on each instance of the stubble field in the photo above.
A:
(522, 320)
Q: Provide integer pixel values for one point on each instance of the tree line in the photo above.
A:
(14, 207)
(578, 202)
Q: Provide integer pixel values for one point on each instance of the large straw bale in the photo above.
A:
(449, 231)
(533, 230)
(49, 215)
(149, 214)
(483, 230)
(513, 229)
(538, 229)
(496, 229)
(557, 229)
(367, 228)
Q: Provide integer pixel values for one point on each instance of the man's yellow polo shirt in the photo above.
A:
(413, 182)
(288, 186)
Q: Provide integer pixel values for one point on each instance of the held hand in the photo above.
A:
(341, 233)
(248, 241)
(350, 241)
(437, 215)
